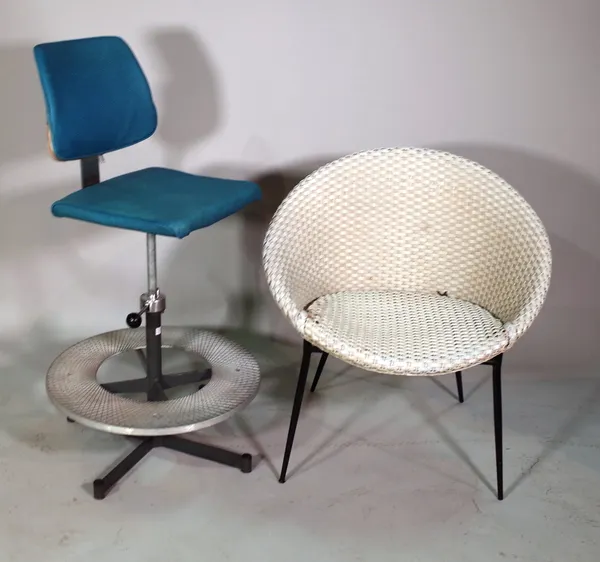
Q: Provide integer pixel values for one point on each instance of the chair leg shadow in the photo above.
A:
(445, 436)
(306, 462)
(468, 395)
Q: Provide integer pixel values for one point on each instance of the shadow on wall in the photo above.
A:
(188, 101)
(25, 218)
(190, 113)
(275, 185)
(565, 335)
(22, 114)
(252, 309)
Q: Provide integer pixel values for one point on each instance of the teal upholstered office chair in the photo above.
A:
(98, 101)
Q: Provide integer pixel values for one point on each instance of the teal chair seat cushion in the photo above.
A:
(158, 201)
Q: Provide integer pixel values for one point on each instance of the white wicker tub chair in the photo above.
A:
(407, 262)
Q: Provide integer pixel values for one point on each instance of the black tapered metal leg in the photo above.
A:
(459, 387)
(103, 485)
(320, 368)
(306, 353)
(497, 386)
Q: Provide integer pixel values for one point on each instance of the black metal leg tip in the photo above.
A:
(70, 420)
(500, 496)
(461, 399)
(99, 489)
(246, 465)
(282, 479)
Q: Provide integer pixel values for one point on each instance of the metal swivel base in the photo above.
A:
(228, 386)
(102, 486)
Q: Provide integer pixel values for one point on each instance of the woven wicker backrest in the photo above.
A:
(409, 219)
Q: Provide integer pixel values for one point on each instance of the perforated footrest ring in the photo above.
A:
(73, 388)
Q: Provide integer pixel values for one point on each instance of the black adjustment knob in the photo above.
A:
(134, 320)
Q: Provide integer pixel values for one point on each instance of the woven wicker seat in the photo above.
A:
(408, 262)
(432, 334)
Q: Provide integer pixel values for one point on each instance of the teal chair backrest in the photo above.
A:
(97, 97)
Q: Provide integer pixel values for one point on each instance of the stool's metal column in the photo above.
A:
(151, 262)
(154, 303)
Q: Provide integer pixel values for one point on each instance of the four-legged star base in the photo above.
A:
(102, 486)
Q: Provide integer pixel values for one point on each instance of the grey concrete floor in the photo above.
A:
(384, 469)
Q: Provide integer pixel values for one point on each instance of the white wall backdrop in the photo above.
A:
(270, 90)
